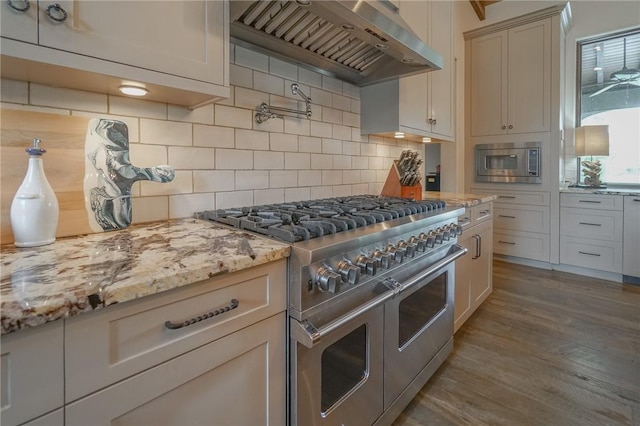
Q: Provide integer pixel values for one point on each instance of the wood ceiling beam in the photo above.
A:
(480, 5)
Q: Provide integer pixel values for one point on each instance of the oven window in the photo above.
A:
(344, 365)
(418, 309)
(506, 162)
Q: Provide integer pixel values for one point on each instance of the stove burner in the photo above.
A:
(304, 220)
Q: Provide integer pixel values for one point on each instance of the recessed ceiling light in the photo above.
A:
(399, 135)
(426, 140)
(133, 90)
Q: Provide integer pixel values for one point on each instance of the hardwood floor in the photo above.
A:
(546, 348)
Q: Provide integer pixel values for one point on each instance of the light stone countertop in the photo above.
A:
(602, 191)
(460, 199)
(82, 274)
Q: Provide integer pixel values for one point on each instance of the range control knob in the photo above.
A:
(444, 231)
(328, 280)
(397, 253)
(385, 259)
(456, 228)
(429, 239)
(367, 264)
(410, 248)
(438, 235)
(350, 272)
(420, 243)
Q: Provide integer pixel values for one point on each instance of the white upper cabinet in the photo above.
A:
(510, 80)
(181, 45)
(422, 104)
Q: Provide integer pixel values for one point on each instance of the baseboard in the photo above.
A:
(595, 273)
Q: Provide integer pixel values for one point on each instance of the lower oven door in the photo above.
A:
(339, 381)
(418, 324)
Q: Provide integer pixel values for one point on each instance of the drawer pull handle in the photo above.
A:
(590, 201)
(506, 242)
(590, 224)
(589, 254)
(508, 217)
(506, 196)
(636, 199)
(176, 325)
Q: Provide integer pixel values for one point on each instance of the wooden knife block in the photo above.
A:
(393, 188)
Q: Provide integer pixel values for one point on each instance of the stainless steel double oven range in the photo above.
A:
(370, 285)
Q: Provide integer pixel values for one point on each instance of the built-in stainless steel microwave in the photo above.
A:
(509, 162)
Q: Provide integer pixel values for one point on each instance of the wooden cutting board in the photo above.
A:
(63, 136)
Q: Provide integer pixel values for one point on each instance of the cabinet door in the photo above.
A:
(464, 275)
(529, 103)
(236, 380)
(481, 283)
(19, 25)
(489, 84)
(631, 251)
(441, 88)
(183, 38)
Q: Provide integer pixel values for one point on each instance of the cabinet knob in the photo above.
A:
(14, 5)
(504, 127)
(511, 126)
(434, 122)
(56, 12)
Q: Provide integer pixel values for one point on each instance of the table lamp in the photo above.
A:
(591, 141)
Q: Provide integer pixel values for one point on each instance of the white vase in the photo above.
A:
(34, 210)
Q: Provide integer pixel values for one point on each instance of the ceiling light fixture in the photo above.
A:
(426, 140)
(399, 135)
(133, 90)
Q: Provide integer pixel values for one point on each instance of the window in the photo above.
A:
(609, 82)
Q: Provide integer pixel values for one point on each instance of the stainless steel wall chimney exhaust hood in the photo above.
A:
(362, 42)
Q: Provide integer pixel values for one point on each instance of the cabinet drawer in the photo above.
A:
(481, 213)
(599, 224)
(31, 373)
(594, 254)
(527, 245)
(109, 345)
(591, 201)
(526, 218)
(512, 197)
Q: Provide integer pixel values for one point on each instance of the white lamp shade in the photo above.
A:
(592, 140)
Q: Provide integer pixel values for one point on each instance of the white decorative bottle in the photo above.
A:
(34, 210)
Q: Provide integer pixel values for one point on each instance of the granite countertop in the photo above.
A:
(461, 199)
(602, 191)
(81, 274)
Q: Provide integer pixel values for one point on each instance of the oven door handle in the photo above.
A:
(307, 334)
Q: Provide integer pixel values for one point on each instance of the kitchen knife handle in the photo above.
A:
(176, 325)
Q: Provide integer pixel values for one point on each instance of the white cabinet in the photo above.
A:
(474, 270)
(423, 104)
(32, 375)
(631, 260)
(179, 45)
(509, 74)
(591, 231)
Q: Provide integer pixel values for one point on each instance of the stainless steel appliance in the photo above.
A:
(370, 286)
(362, 42)
(509, 162)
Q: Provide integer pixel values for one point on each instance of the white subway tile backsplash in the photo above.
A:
(14, 91)
(342, 190)
(251, 59)
(268, 160)
(321, 97)
(375, 163)
(331, 115)
(121, 105)
(357, 137)
(240, 76)
(249, 98)
(382, 150)
(283, 178)
(285, 102)
(350, 90)
(368, 149)
(332, 177)
(268, 83)
(213, 136)
(361, 188)
(268, 196)
(295, 126)
(351, 176)
(297, 160)
(283, 142)
(185, 205)
(159, 132)
(296, 194)
(332, 84)
(283, 69)
(309, 144)
(320, 129)
(233, 117)
(309, 77)
(340, 102)
(21, 107)
(252, 179)
(149, 209)
(202, 115)
(182, 183)
(375, 188)
(147, 155)
(252, 139)
(351, 148)
(381, 175)
(213, 180)
(189, 158)
(309, 177)
(321, 161)
(226, 200)
(342, 162)
(331, 146)
(358, 162)
(234, 159)
(351, 119)
(321, 192)
(341, 132)
(274, 125)
(355, 106)
(58, 97)
(369, 176)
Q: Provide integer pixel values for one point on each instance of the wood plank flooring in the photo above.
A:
(546, 348)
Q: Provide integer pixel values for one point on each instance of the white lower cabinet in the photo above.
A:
(631, 259)
(55, 418)
(236, 380)
(474, 270)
